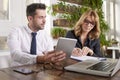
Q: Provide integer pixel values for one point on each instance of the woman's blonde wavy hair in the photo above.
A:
(95, 32)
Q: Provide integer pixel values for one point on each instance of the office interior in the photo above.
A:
(13, 14)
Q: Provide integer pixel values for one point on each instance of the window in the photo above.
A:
(4, 10)
(109, 11)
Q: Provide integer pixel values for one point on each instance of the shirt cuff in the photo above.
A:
(34, 58)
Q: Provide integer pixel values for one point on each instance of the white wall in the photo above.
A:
(17, 18)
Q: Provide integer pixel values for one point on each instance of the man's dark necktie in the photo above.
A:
(33, 44)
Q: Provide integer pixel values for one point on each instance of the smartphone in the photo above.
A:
(23, 70)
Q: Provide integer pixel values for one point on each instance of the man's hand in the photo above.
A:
(52, 56)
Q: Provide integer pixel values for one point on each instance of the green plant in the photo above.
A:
(60, 7)
(57, 32)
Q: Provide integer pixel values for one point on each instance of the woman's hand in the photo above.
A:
(86, 50)
(77, 52)
(82, 52)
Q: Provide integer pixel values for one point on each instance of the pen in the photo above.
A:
(100, 58)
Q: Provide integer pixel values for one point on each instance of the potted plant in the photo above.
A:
(57, 32)
(113, 42)
(61, 22)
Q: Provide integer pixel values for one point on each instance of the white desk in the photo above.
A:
(113, 48)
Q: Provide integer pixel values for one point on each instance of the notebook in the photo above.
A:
(83, 58)
(66, 44)
(101, 68)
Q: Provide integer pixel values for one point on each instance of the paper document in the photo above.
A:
(83, 58)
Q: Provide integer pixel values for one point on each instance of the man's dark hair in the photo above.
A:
(30, 11)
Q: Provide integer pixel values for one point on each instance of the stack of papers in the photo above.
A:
(83, 58)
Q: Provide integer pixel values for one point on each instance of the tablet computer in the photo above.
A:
(66, 44)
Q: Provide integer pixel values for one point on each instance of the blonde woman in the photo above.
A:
(86, 31)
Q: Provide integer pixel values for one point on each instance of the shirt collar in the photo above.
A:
(30, 31)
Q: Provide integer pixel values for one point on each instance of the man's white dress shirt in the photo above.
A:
(19, 42)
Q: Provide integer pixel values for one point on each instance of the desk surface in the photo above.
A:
(9, 74)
